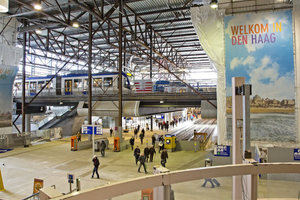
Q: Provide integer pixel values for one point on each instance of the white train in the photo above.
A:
(72, 84)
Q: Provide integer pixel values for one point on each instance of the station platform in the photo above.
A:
(52, 161)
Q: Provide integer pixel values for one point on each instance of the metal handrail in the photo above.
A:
(34, 196)
(137, 184)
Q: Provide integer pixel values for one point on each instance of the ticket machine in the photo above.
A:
(170, 142)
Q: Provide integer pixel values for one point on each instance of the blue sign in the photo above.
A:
(222, 150)
(296, 154)
(70, 178)
(88, 129)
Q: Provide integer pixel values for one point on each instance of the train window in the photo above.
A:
(32, 85)
(50, 85)
(26, 85)
(40, 84)
(18, 86)
(97, 82)
(77, 83)
(108, 81)
(85, 84)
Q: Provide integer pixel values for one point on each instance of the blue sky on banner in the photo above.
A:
(260, 48)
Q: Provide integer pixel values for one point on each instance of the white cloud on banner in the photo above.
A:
(267, 81)
(235, 62)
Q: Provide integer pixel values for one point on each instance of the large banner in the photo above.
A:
(7, 77)
(260, 48)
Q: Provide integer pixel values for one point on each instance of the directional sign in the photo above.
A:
(88, 129)
(222, 150)
(70, 178)
(296, 154)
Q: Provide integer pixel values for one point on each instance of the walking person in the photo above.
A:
(135, 133)
(152, 152)
(96, 165)
(78, 136)
(111, 132)
(146, 153)
(142, 137)
(142, 160)
(136, 154)
(131, 141)
(164, 156)
(102, 148)
(153, 139)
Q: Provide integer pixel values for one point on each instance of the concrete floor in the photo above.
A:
(52, 161)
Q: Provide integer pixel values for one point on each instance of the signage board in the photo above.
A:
(37, 185)
(222, 150)
(88, 129)
(70, 178)
(296, 154)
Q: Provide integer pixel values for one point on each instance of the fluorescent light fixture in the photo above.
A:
(37, 5)
(38, 31)
(214, 4)
(4, 6)
(75, 24)
(161, 101)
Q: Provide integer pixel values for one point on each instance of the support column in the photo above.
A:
(246, 118)
(23, 79)
(90, 73)
(151, 63)
(237, 117)
(28, 122)
(296, 14)
(120, 70)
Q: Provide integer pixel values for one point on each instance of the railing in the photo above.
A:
(34, 196)
(166, 179)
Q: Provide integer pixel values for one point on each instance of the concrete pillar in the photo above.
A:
(296, 14)
(237, 117)
(28, 122)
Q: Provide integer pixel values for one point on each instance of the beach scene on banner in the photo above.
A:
(259, 47)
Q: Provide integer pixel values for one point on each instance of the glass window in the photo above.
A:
(97, 82)
(50, 85)
(26, 85)
(18, 86)
(108, 81)
(85, 84)
(77, 83)
(32, 85)
(40, 84)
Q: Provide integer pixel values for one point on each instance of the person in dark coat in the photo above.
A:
(142, 160)
(164, 156)
(138, 128)
(111, 132)
(131, 141)
(135, 133)
(136, 154)
(142, 137)
(96, 165)
(146, 153)
(153, 139)
(102, 148)
(152, 152)
(143, 131)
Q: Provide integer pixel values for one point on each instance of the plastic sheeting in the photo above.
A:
(296, 13)
(209, 25)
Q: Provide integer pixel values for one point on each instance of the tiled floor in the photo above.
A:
(52, 161)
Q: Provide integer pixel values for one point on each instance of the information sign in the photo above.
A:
(222, 150)
(70, 178)
(88, 129)
(296, 154)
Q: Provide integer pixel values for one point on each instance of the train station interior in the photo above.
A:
(149, 99)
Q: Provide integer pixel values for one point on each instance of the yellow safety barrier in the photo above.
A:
(1, 182)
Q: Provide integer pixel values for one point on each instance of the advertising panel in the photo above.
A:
(259, 47)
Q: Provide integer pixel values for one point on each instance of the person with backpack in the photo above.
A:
(96, 166)
(152, 152)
